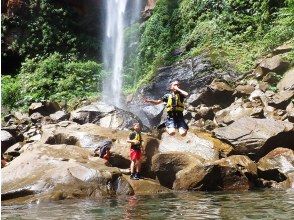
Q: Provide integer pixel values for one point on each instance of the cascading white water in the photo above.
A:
(113, 46)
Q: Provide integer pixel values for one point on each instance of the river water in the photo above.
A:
(267, 204)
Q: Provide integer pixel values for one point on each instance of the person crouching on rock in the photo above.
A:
(174, 107)
(135, 139)
(103, 149)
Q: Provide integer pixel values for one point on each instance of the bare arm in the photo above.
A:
(133, 141)
(153, 101)
(184, 93)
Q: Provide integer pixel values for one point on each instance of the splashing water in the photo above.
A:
(113, 46)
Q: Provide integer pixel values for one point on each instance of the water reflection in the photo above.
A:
(267, 204)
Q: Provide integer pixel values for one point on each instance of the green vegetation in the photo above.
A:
(49, 52)
(53, 78)
(40, 28)
(234, 33)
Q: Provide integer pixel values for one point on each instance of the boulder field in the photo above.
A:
(241, 137)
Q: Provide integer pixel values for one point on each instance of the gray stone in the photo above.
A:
(191, 144)
(278, 165)
(59, 116)
(287, 82)
(281, 99)
(252, 136)
(104, 115)
(45, 108)
(274, 64)
(7, 140)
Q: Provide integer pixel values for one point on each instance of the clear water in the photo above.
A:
(193, 205)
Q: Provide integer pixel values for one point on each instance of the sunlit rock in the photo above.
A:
(256, 137)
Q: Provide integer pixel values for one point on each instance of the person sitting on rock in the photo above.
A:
(135, 139)
(175, 107)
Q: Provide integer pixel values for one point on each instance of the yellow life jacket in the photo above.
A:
(178, 106)
(138, 137)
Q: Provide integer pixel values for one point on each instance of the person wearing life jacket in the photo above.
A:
(135, 139)
(174, 107)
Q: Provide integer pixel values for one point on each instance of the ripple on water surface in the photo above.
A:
(267, 204)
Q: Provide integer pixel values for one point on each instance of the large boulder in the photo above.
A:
(146, 186)
(278, 165)
(7, 140)
(287, 82)
(290, 112)
(217, 93)
(105, 115)
(154, 113)
(273, 64)
(235, 111)
(59, 116)
(89, 136)
(191, 144)
(186, 172)
(281, 99)
(194, 74)
(49, 172)
(44, 108)
(16, 131)
(243, 90)
(232, 173)
(167, 166)
(256, 137)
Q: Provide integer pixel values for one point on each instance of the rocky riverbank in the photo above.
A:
(241, 137)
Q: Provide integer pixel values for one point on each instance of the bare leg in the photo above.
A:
(133, 166)
(182, 132)
(171, 131)
(138, 166)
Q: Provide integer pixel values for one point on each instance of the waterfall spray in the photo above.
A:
(113, 46)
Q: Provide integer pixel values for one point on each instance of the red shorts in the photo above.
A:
(135, 154)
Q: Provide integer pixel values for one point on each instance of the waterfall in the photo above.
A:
(117, 18)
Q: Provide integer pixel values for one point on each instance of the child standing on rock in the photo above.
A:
(135, 139)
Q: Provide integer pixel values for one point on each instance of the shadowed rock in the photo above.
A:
(167, 166)
(273, 64)
(7, 140)
(232, 173)
(186, 172)
(287, 82)
(278, 165)
(44, 108)
(281, 99)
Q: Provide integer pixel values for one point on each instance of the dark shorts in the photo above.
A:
(176, 122)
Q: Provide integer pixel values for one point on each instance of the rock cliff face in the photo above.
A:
(195, 75)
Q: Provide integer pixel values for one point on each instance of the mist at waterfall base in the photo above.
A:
(119, 14)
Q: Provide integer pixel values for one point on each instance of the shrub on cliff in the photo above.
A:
(53, 78)
(38, 28)
(233, 33)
